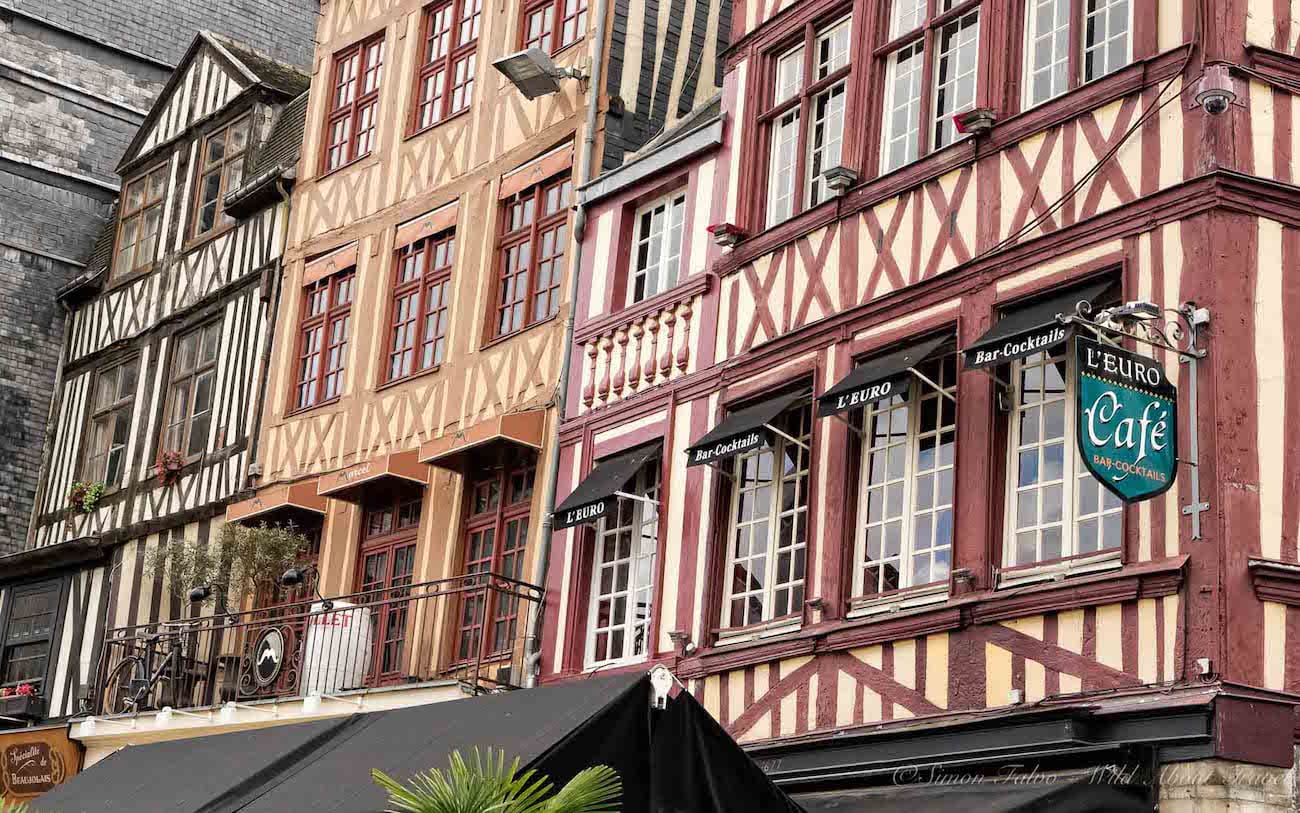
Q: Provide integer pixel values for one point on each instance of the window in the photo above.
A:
(353, 101)
(919, 119)
(1051, 61)
(657, 247)
(445, 83)
(622, 577)
(496, 533)
(323, 339)
(768, 534)
(220, 172)
(421, 292)
(539, 23)
(141, 218)
(535, 232)
(905, 490)
(190, 393)
(1056, 507)
(387, 568)
(110, 423)
(811, 85)
(28, 636)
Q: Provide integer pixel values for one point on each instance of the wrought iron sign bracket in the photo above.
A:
(1174, 330)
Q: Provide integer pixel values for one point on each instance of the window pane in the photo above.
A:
(781, 168)
(1047, 49)
(955, 76)
(907, 16)
(902, 126)
(1106, 39)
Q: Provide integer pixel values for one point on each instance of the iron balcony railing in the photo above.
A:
(472, 629)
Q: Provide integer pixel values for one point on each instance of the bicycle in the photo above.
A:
(135, 685)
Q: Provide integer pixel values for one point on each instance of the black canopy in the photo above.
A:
(741, 431)
(325, 766)
(879, 377)
(592, 498)
(1031, 328)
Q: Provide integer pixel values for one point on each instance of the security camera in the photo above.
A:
(1214, 92)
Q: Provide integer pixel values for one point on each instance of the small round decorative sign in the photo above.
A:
(268, 656)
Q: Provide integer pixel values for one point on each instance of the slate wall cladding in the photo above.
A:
(76, 80)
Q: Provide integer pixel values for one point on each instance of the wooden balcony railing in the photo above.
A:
(472, 629)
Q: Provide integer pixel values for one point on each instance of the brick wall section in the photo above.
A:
(73, 91)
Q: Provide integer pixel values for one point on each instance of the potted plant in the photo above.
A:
(84, 496)
(170, 464)
(21, 702)
(240, 561)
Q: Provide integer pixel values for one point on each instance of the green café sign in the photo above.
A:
(1127, 420)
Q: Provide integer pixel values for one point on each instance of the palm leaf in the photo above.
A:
(489, 785)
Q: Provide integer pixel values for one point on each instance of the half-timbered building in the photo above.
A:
(159, 389)
(419, 333)
(820, 446)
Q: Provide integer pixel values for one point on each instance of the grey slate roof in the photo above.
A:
(704, 113)
(284, 143)
(272, 73)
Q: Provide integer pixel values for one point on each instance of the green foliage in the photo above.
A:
(84, 497)
(239, 562)
(488, 785)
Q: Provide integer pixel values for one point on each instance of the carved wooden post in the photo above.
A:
(620, 345)
(666, 361)
(652, 330)
(684, 352)
(634, 368)
(606, 345)
(589, 391)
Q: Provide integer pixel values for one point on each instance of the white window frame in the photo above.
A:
(1071, 559)
(831, 152)
(784, 138)
(665, 270)
(643, 516)
(769, 623)
(911, 138)
(918, 394)
(1032, 11)
(943, 122)
(1105, 43)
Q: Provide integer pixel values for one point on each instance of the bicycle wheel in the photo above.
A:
(118, 697)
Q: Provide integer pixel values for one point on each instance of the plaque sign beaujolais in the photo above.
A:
(1127, 425)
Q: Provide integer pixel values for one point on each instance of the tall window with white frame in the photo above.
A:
(623, 573)
(805, 120)
(917, 118)
(192, 390)
(1056, 508)
(1059, 56)
(905, 491)
(768, 533)
(657, 246)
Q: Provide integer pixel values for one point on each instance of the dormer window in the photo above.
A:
(140, 221)
(221, 169)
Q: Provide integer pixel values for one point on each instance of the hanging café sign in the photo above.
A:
(1127, 426)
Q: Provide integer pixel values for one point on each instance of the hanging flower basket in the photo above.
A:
(169, 467)
(83, 497)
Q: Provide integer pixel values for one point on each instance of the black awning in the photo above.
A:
(1030, 328)
(196, 773)
(592, 498)
(741, 431)
(879, 377)
(556, 730)
(965, 793)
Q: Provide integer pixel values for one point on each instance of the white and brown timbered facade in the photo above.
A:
(419, 335)
(163, 368)
(884, 184)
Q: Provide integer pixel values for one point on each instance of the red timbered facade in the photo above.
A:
(889, 186)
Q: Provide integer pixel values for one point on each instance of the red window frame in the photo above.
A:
(420, 306)
(324, 328)
(434, 97)
(141, 208)
(385, 571)
(531, 254)
(355, 82)
(498, 508)
(538, 26)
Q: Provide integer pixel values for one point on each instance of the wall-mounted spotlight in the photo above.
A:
(533, 72)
